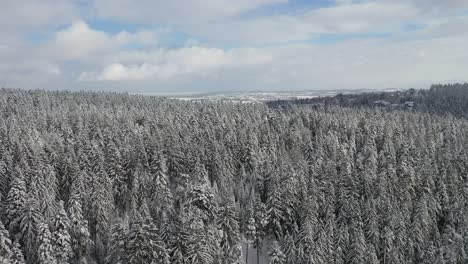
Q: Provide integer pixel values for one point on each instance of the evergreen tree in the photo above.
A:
(275, 212)
(227, 223)
(15, 201)
(16, 254)
(357, 252)
(161, 199)
(275, 254)
(117, 245)
(145, 245)
(80, 238)
(61, 238)
(45, 249)
(30, 218)
(5, 244)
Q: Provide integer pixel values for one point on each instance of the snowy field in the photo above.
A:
(263, 96)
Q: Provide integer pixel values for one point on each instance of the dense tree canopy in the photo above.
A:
(115, 178)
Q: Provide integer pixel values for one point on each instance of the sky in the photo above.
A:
(160, 46)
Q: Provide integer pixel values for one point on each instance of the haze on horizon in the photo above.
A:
(155, 46)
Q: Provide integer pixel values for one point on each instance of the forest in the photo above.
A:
(440, 99)
(114, 178)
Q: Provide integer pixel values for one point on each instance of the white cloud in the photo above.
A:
(165, 64)
(361, 17)
(223, 21)
(32, 14)
(368, 17)
(176, 12)
(79, 41)
(143, 37)
(139, 60)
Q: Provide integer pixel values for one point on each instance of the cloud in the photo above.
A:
(80, 41)
(224, 22)
(165, 64)
(256, 44)
(176, 12)
(142, 37)
(368, 17)
(32, 14)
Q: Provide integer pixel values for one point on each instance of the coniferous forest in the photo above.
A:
(116, 178)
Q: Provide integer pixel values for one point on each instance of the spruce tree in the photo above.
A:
(117, 252)
(144, 244)
(45, 248)
(15, 202)
(16, 254)
(5, 245)
(80, 238)
(275, 254)
(61, 238)
(30, 218)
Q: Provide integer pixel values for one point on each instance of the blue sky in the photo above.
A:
(158, 46)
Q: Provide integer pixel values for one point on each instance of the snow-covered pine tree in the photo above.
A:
(80, 238)
(61, 238)
(15, 201)
(227, 222)
(45, 248)
(47, 189)
(117, 244)
(144, 244)
(117, 175)
(5, 245)
(161, 197)
(357, 250)
(17, 256)
(289, 249)
(275, 254)
(275, 212)
(30, 218)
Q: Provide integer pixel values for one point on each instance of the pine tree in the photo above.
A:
(275, 212)
(16, 254)
(117, 175)
(290, 250)
(101, 207)
(161, 199)
(5, 244)
(197, 247)
(80, 238)
(275, 254)
(145, 245)
(44, 187)
(45, 249)
(15, 201)
(358, 249)
(227, 223)
(200, 195)
(30, 218)
(261, 222)
(61, 239)
(117, 245)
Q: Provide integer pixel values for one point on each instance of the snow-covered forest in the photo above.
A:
(116, 178)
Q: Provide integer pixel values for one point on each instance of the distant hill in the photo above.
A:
(439, 99)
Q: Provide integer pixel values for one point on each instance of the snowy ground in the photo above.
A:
(246, 97)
